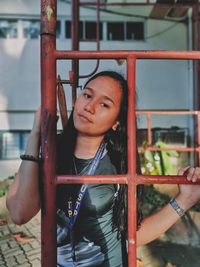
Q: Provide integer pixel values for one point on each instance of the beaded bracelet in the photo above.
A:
(29, 158)
(176, 207)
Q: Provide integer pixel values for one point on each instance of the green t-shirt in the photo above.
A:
(95, 218)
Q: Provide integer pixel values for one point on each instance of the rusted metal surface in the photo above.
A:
(75, 46)
(139, 3)
(48, 17)
(162, 179)
(167, 112)
(123, 54)
(97, 179)
(132, 147)
(174, 148)
(122, 179)
(198, 137)
(150, 146)
(48, 131)
(49, 55)
(196, 46)
(149, 129)
(62, 102)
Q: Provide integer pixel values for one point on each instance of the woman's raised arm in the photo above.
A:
(23, 198)
(156, 224)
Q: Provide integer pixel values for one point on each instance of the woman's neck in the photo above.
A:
(86, 146)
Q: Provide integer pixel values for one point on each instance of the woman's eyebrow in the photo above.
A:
(104, 96)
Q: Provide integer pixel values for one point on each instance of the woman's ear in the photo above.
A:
(115, 126)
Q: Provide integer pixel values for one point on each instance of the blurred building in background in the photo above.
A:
(161, 85)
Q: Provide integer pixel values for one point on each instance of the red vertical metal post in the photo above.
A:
(196, 64)
(48, 130)
(98, 25)
(198, 138)
(196, 46)
(75, 46)
(149, 129)
(131, 67)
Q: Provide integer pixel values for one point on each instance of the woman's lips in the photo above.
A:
(85, 118)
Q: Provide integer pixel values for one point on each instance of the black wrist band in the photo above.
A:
(29, 158)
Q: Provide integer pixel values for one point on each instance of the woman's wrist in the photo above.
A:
(33, 144)
(28, 157)
(185, 203)
(35, 132)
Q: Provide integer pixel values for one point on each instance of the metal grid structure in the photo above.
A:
(151, 147)
(49, 56)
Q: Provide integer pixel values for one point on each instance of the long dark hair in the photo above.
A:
(117, 150)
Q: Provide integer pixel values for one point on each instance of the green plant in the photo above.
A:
(157, 162)
(4, 190)
(4, 185)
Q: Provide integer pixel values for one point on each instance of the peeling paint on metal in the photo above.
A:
(131, 241)
(49, 12)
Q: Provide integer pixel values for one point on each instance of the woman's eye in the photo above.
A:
(105, 105)
(86, 95)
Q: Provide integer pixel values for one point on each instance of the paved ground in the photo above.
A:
(20, 245)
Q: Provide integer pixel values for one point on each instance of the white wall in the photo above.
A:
(157, 81)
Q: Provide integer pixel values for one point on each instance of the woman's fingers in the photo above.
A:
(196, 174)
(183, 171)
(192, 174)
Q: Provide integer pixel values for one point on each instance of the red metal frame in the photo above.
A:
(134, 3)
(150, 146)
(49, 56)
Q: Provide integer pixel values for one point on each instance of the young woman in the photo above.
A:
(91, 219)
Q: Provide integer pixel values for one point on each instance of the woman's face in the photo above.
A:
(97, 108)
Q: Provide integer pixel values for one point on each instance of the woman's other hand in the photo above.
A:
(189, 194)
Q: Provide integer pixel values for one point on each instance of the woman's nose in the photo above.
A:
(90, 107)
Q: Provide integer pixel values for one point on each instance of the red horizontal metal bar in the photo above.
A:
(162, 179)
(179, 149)
(147, 3)
(124, 54)
(120, 179)
(88, 179)
(117, 4)
(172, 112)
(198, 136)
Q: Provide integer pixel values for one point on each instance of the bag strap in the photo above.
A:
(73, 211)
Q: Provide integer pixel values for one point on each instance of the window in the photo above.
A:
(68, 29)
(125, 31)
(135, 31)
(81, 30)
(115, 31)
(12, 144)
(58, 28)
(8, 29)
(91, 30)
(31, 29)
